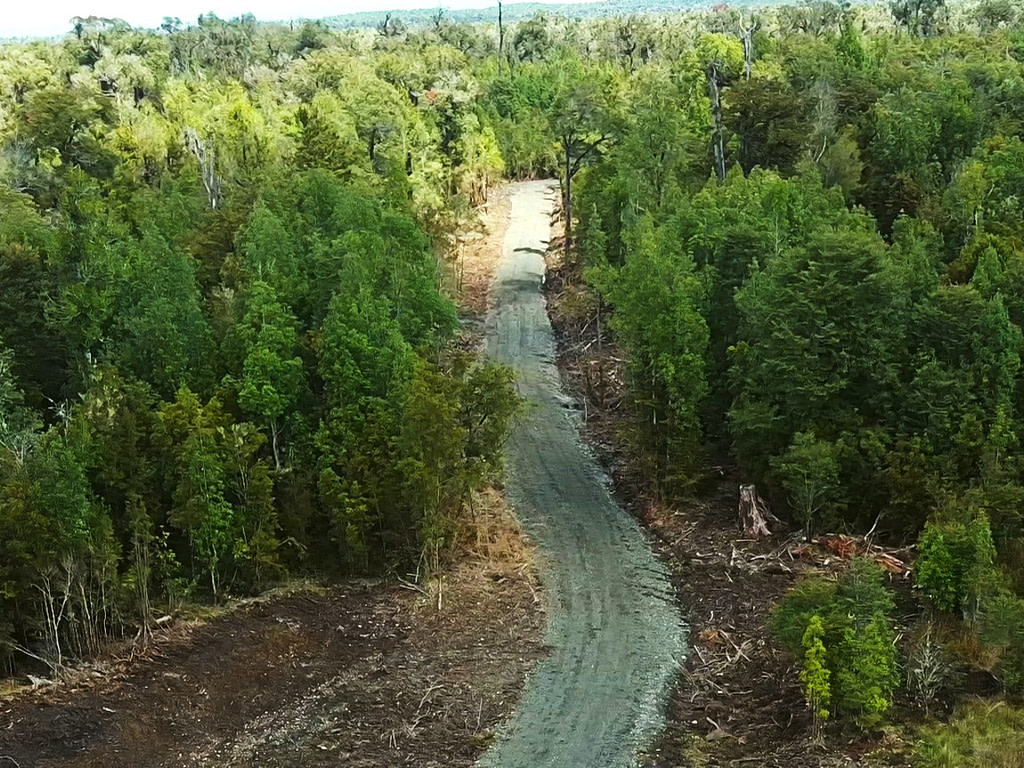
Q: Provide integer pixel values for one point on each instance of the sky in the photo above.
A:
(24, 18)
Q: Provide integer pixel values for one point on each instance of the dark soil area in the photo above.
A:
(738, 699)
(361, 676)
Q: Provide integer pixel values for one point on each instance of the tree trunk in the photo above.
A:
(501, 38)
(718, 140)
(747, 36)
(273, 443)
(568, 200)
(207, 169)
(753, 513)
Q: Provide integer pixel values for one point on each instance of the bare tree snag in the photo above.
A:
(718, 139)
(501, 37)
(754, 513)
(207, 171)
(747, 37)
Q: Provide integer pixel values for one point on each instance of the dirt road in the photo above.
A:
(616, 635)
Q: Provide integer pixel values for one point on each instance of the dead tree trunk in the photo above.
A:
(754, 513)
(501, 38)
(747, 37)
(207, 170)
(718, 139)
(567, 205)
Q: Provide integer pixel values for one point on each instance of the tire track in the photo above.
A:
(615, 633)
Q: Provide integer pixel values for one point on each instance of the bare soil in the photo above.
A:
(360, 675)
(737, 700)
(479, 252)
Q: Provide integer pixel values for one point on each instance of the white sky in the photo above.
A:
(23, 18)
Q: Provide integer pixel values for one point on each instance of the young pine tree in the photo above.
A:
(816, 675)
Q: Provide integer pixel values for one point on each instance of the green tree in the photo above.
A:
(194, 437)
(956, 564)
(815, 674)
(809, 471)
(329, 140)
(656, 297)
(867, 676)
(272, 379)
(584, 116)
(852, 620)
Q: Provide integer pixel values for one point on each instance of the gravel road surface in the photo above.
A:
(615, 634)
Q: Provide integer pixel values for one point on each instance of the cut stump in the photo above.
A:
(754, 513)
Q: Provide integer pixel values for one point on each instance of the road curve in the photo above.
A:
(615, 635)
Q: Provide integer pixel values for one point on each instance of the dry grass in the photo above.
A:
(494, 535)
(478, 251)
(962, 641)
(491, 555)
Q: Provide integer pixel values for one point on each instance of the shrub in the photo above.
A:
(815, 674)
(1003, 628)
(851, 619)
(956, 565)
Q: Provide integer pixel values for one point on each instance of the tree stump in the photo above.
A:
(754, 513)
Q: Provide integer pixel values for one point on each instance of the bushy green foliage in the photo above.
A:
(219, 267)
(1003, 628)
(656, 297)
(226, 354)
(855, 668)
(809, 472)
(956, 564)
(815, 674)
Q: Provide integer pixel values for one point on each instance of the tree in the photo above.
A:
(194, 438)
(805, 362)
(272, 378)
(1003, 630)
(721, 58)
(768, 118)
(532, 41)
(815, 674)
(656, 296)
(918, 16)
(480, 162)
(956, 565)
(584, 117)
(329, 139)
(809, 471)
(162, 334)
(851, 619)
(867, 676)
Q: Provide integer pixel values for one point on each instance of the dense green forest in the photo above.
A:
(512, 12)
(228, 349)
(805, 226)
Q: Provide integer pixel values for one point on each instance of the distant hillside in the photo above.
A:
(516, 11)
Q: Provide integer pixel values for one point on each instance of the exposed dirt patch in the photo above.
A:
(478, 253)
(738, 700)
(361, 676)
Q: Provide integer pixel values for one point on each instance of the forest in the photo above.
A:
(228, 348)
(230, 353)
